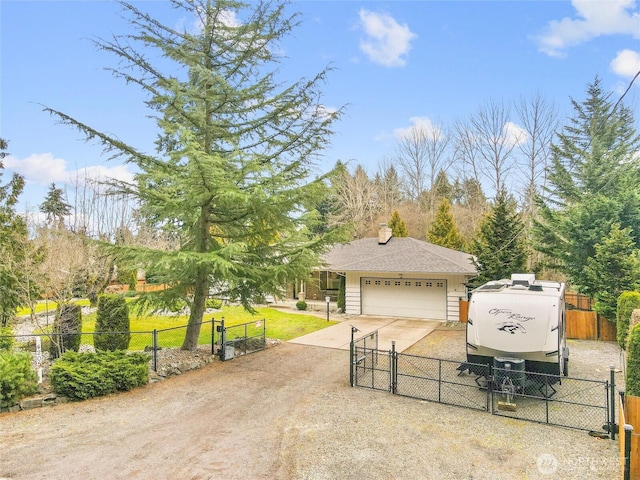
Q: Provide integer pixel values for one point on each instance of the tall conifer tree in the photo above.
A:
(233, 175)
(592, 184)
(499, 245)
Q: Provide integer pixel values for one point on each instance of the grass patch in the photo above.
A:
(52, 306)
(280, 325)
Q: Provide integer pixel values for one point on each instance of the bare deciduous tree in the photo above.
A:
(495, 137)
(421, 153)
(354, 201)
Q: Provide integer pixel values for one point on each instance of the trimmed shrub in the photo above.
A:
(627, 303)
(85, 375)
(301, 305)
(6, 338)
(67, 329)
(214, 303)
(17, 380)
(633, 362)
(112, 324)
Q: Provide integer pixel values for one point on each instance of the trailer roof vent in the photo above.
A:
(494, 286)
(535, 288)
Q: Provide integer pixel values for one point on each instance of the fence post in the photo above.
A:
(213, 335)
(352, 362)
(628, 429)
(612, 402)
(155, 350)
(393, 366)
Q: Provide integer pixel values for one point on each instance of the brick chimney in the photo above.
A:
(384, 234)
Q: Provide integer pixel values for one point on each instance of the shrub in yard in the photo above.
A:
(85, 375)
(633, 362)
(17, 380)
(67, 328)
(627, 303)
(301, 305)
(214, 303)
(112, 324)
(6, 338)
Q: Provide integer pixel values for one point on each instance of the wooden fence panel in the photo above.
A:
(608, 330)
(464, 311)
(632, 417)
(582, 325)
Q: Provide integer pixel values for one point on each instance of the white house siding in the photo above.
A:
(455, 290)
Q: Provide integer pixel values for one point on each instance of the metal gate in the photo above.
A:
(555, 400)
(234, 340)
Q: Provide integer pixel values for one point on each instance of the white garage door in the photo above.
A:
(400, 297)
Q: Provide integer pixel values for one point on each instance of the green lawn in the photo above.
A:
(43, 306)
(282, 325)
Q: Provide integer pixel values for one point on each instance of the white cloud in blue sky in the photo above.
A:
(626, 63)
(45, 168)
(387, 42)
(594, 18)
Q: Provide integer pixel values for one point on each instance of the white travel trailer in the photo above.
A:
(519, 320)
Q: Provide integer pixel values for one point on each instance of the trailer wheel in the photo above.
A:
(565, 366)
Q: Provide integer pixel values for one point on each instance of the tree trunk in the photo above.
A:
(197, 311)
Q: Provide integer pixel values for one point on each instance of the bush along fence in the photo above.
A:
(41, 351)
(551, 399)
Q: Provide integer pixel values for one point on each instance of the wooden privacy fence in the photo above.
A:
(629, 415)
(581, 325)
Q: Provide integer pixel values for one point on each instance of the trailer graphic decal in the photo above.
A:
(511, 327)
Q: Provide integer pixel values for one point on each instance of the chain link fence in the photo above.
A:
(552, 399)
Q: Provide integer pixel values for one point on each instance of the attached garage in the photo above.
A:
(401, 277)
(411, 297)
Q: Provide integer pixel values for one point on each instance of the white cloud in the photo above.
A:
(626, 63)
(44, 168)
(386, 42)
(421, 124)
(594, 18)
(514, 134)
(41, 168)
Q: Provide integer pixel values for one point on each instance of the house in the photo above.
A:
(401, 277)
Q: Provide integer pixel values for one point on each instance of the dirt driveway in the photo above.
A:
(287, 413)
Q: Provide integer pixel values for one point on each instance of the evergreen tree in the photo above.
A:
(55, 207)
(592, 184)
(442, 188)
(614, 269)
(13, 236)
(443, 230)
(499, 246)
(397, 225)
(233, 176)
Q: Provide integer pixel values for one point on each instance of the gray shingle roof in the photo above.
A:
(397, 255)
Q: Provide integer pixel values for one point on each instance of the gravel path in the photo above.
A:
(288, 413)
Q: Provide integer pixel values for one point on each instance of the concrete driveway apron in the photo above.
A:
(405, 332)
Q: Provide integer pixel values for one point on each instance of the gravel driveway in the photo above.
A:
(288, 413)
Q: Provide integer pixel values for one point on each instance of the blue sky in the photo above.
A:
(397, 64)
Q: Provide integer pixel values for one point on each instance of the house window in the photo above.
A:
(367, 282)
(397, 283)
(377, 282)
(329, 281)
(407, 284)
(439, 284)
(428, 284)
(418, 284)
(387, 283)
